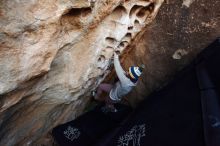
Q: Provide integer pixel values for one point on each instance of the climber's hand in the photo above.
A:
(117, 52)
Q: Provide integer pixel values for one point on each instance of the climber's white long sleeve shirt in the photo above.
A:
(124, 85)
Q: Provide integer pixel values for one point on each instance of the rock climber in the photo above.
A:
(127, 81)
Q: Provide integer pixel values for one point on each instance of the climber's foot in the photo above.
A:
(94, 95)
(106, 109)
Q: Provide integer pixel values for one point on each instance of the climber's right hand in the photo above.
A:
(117, 52)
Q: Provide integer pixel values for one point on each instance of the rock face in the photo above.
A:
(53, 53)
(180, 31)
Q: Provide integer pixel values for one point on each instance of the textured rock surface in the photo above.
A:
(181, 30)
(52, 53)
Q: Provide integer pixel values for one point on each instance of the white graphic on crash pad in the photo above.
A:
(133, 136)
(71, 133)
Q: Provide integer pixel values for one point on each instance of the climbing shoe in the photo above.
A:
(106, 109)
(94, 93)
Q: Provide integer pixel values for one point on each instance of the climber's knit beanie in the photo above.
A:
(135, 72)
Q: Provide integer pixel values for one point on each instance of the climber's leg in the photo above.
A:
(103, 88)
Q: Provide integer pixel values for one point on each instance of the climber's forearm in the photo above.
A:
(119, 70)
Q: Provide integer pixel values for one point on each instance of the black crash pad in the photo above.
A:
(88, 128)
